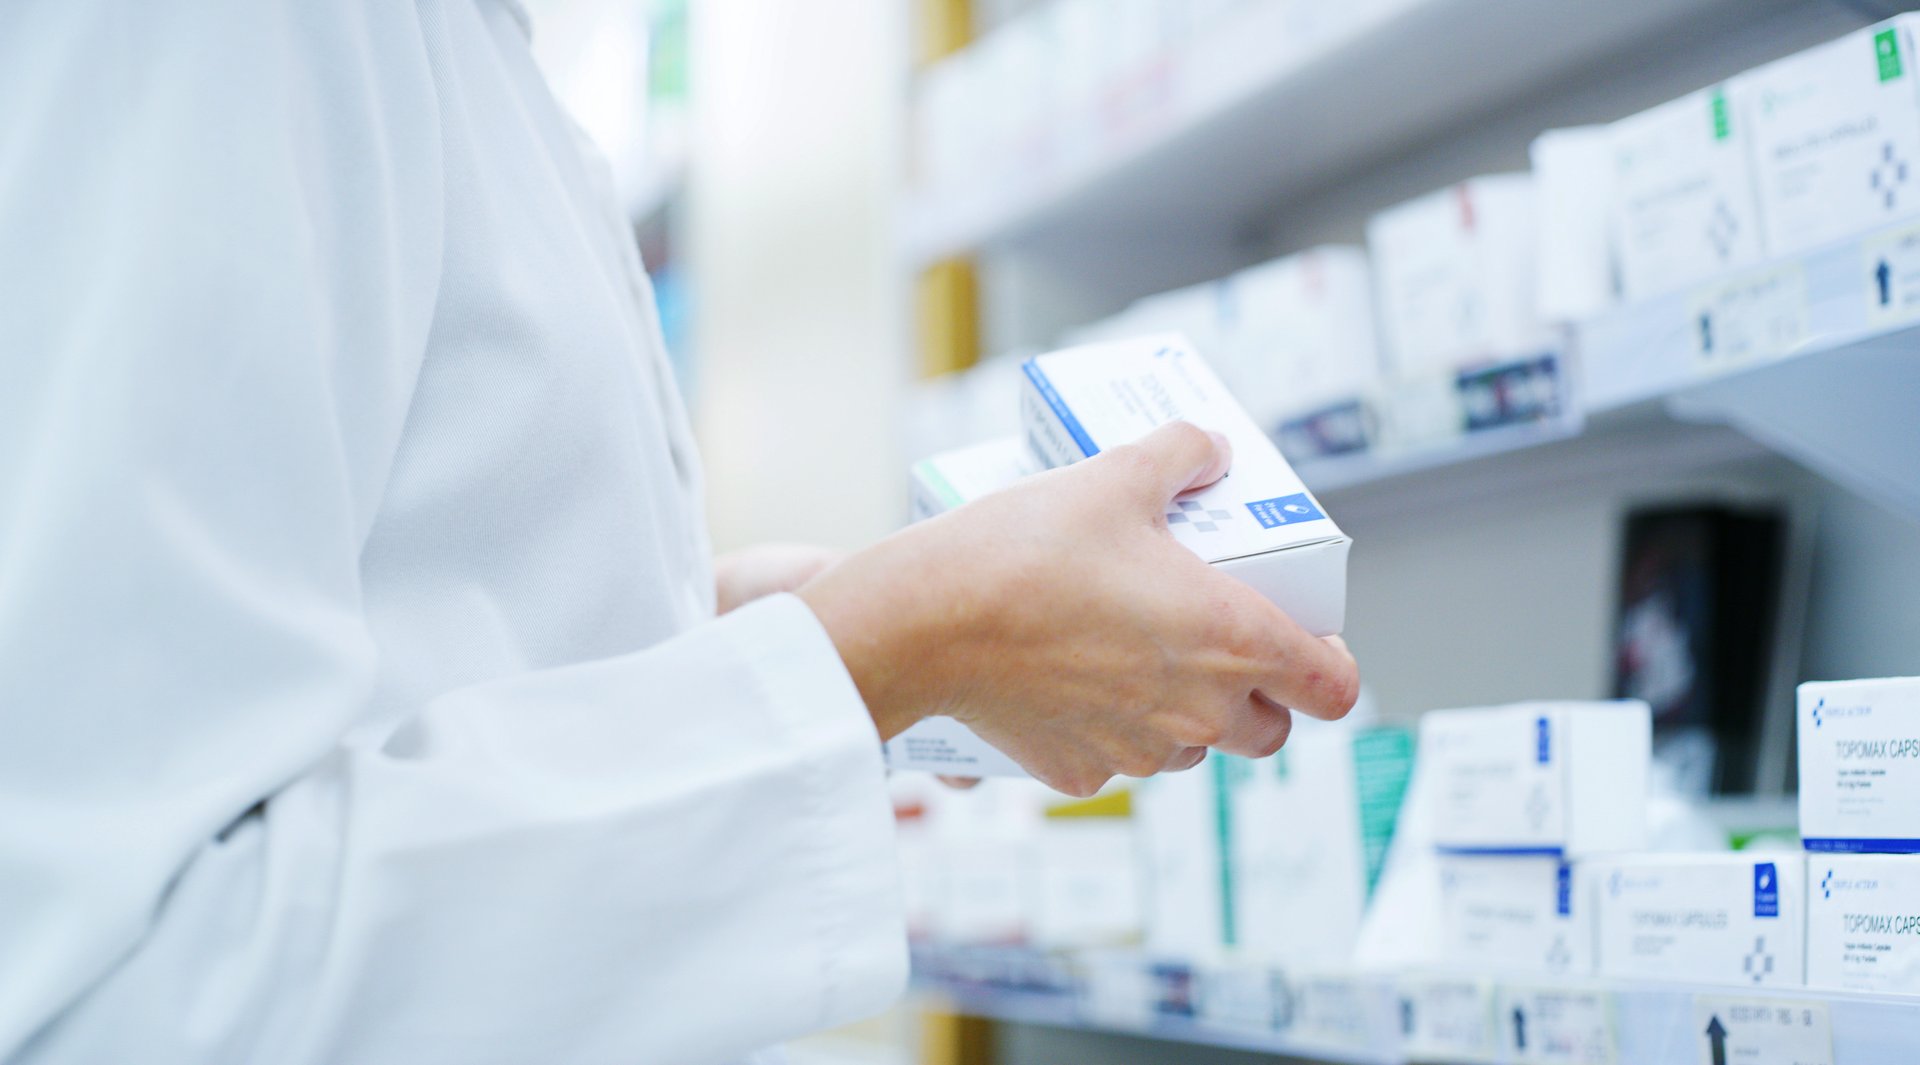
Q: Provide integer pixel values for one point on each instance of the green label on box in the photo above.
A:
(1886, 48)
(1382, 764)
(1722, 121)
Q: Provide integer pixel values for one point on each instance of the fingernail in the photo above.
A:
(1219, 441)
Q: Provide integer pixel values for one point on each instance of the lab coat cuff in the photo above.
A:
(856, 909)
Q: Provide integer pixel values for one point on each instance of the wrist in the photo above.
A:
(890, 643)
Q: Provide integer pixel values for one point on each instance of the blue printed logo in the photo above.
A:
(1826, 885)
(1817, 707)
(1766, 890)
(1563, 889)
(1544, 735)
(1285, 510)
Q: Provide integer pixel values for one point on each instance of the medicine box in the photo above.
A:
(1176, 816)
(1683, 194)
(1087, 892)
(1454, 276)
(1860, 765)
(1836, 137)
(1863, 923)
(1526, 915)
(1306, 832)
(1302, 334)
(947, 480)
(1258, 524)
(1731, 918)
(1543, 778)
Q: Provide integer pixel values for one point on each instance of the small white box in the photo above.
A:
(1307, 831)
(1301, 334)
(1860, 765)
(945, 481)
(1454, 273)
(1732, 918)
(1863, 923)
(1259, 523)
(1836, 137)
(1088, 890)
(1530, 915)
(1180, 850)
(1573, 181)
(1564, 778)
(1683, 203)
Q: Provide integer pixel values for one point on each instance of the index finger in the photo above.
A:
(1314, 676)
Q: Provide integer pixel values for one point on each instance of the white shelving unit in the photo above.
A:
(1441, 1017)
(1800, 354)
(1242, 120)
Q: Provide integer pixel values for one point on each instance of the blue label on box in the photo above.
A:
(1544, 737)
(1563, 890)
(1285, 510)
(1071, 424)
(1766, 890)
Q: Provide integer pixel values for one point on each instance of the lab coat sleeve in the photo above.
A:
(219, 245)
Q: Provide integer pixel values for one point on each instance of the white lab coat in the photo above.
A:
(360, 695)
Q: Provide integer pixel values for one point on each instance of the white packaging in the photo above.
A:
(986, 844)
(1259, 523)
(945, 481)
(1863, 923)
(1729, 918)
(1836, 137)
(1302, 334)
(1683, 206)
(1573, 178)
(1177, 820)
(939, 484)
(1454, 275)
(1528, 914)
(1566, 778)
(1307, 832)
(1860, 765)
(1088, 889)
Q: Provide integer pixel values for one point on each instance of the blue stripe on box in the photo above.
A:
(1862, 846)
(1501, 852)
(1052, 395)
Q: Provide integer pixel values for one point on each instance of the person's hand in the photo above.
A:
(1062, 622)
(740, 577)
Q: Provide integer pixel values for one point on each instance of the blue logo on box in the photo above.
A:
(1544, 736)
(1563, 889)
(1766, 890)
(1285, 510)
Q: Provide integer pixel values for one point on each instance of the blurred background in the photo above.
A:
(1606, 411)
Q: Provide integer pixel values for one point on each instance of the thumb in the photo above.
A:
(1176, 457)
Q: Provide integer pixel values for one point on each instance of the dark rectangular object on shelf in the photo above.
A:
(1700, 588)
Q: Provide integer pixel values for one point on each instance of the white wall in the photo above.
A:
(798, 299)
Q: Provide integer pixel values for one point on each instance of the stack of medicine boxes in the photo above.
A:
(1860, 825)
(1523, 795)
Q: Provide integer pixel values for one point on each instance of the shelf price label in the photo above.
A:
(1739, 1031)
(1556, 1025)
(1449, 1019)
(1340, 1013)
(1890, 264)
(1751, 317)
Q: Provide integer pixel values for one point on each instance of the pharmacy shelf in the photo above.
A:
(1815, 357)
(1243, 118)
(1393, 1019)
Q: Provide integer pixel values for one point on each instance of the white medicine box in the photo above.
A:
(1525, 915)
(1863, 923)
(1683, 194)
(1836, 137)
(1307, 833)
(1454, 276)
(1259, 523)
(1732, 918)
(1860, 764)
(1302, 334)
(1550, 778)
